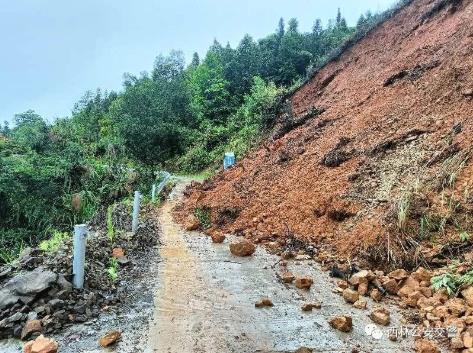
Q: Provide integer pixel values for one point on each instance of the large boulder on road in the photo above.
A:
(242, 248)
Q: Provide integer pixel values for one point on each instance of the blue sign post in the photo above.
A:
(228, 160)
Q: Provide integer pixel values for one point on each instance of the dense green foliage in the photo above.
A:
(179, 117)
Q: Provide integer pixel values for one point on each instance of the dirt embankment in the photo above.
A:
(381, 171)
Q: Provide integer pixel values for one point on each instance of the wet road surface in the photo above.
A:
(205, 301)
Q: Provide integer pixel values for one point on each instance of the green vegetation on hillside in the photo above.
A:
(179, 117)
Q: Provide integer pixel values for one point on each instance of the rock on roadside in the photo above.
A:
(31, 327)
(381, 316)
(310, 306)
(342, 323)
(242, 248)
(110, 338)
(41, 345)
(26, 286)
(425, 346)
(217, 237)
(264, 302)
(351, 296)
(303, 282)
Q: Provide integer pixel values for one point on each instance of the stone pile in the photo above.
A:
(42, 301)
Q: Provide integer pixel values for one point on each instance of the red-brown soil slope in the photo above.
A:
(383, 172)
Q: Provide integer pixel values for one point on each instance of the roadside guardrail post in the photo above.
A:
(78, 262)
(153, 193)
(136, 212)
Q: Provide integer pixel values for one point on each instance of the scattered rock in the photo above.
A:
(363, 288)
(363, 276)
(376, 295)
(26, 286)
(381, 316)
(273, 247)
(360, 304)
(287, 255)
(409, 286)
(118, 252)
(41, 345)
(110, 338)
(413, 298)
(421, 274)
(287, 277)
(399, 274)
(456, 306)
(468, 295)
(350, 295)
(310, 306)
(342, 284)
(391, 286)
(425, 346)
(342, 323)
(242, 248)
(467, 340)
(31, 326)
(191, 223)
(264, 302)
(304, 282)
(217, 237)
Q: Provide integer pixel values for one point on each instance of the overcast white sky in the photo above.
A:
(55, 50)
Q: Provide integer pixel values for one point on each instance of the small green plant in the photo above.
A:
(403, 206)
(203, 215)
(464, 236)
(54, 243)
(7, 257)
(110, 229)
(424, 226)
(112, 269)
(442, 225)
(467, 278)
(448, 281)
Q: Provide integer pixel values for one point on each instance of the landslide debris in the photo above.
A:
(370, 160)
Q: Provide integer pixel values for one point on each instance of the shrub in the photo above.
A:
(54, 243)
(203, 215)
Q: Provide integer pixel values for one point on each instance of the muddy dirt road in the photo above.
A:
(190, 295)
(205, 302)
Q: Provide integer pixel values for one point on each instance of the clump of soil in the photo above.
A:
(369, 160)
(37, 294)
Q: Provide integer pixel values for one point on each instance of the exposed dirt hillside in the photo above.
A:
(382, 165)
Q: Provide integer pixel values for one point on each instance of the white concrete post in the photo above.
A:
(153, 193)
(78, 262)
(136, 212)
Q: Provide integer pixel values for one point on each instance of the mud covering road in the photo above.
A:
(204, 302)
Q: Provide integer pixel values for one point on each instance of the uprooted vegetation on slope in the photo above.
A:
(378, 173)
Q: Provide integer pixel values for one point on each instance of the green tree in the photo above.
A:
(5, 130)
(152, 115)
(294, 55)
(30, 131)
(210, 90)
(195, 60)
(245, 64)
